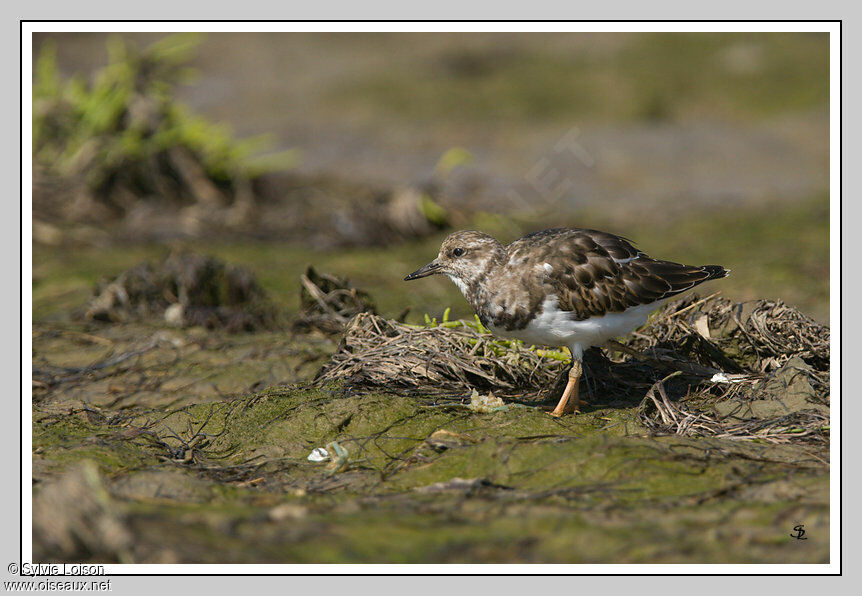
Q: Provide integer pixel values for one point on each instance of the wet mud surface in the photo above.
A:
(191, 445)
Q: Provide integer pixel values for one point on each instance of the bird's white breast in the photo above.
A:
(555, 327)
(457, 281)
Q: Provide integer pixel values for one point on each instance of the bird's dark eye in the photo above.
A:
(459, 252)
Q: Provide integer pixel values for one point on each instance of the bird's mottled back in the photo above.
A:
(594, 273)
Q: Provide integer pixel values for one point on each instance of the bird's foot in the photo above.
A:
(557, 413)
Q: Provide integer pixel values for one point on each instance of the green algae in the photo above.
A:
(63, 439)
(203, 445)
(207, 477)
(535, 488)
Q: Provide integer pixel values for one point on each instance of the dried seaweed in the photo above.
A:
(452, 356)
(780, 423)
(327, 303)
(185, 289)
(756, 370)
(782, 394)
(759, 335)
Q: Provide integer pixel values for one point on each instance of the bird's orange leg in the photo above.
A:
(570, 402)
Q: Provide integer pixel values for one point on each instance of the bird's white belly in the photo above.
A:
(555, 327)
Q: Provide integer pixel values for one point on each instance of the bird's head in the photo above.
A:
(464, 257)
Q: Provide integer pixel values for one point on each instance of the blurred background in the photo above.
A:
(358, 153)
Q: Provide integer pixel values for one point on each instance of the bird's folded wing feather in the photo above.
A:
(595, 273)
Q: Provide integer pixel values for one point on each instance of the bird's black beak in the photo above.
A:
(429, 269)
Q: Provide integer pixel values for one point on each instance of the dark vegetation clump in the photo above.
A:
(756, 370)
(772, 377)
(104, 148)
(186, 289)
(328, 302)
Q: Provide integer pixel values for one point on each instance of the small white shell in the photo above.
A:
(721, 377)
(319, 454)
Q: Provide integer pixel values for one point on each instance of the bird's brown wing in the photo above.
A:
(595, 273)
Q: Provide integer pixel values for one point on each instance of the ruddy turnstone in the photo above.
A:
(562, 287)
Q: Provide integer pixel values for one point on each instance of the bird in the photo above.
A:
(569, 287)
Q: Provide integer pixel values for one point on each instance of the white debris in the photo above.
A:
(287, 511)
(175, 314)
(701, 324)
(726, 378)
(319, 454)
(169, 338)
(486, 403)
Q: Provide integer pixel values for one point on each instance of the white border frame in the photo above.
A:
(831, 27)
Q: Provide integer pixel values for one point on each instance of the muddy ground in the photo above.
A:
(154, 443)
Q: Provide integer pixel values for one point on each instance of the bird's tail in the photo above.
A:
(715, 271)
